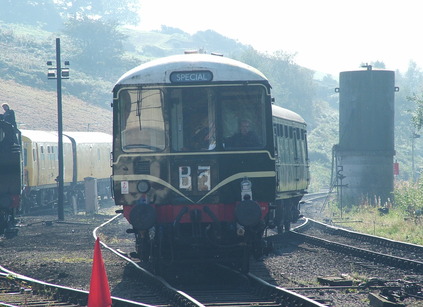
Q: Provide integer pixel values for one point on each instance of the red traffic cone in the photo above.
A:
(99, 295)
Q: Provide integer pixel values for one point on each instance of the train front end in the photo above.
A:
(193, 158)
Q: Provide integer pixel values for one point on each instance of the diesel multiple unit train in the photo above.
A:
(29, 168)
(203, 161)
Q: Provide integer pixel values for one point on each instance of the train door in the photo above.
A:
(37, 164)
(276, 136)
(296, 169)
(25, 156)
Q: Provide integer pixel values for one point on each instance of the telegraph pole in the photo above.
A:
(59, 73)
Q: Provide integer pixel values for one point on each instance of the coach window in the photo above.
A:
(243, 117)
(142, 121)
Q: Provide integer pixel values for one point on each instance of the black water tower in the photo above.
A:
(364, 156)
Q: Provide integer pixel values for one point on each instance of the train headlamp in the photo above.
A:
(143, 186)
(246, 192)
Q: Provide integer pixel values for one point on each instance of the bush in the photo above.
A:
(409, 197)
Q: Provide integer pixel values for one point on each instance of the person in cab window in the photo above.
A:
(245, 137)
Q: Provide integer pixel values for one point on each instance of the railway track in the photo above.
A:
(150, 290)
(17, 290)
(375, 252)
(214, 286)
(377, 249)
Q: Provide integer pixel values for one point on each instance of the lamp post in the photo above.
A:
(59, 73)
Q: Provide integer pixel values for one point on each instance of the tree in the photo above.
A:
(42, 13)
(408, 102)
(417, 114)
(292, 84)
(98, 45)
(119, 11)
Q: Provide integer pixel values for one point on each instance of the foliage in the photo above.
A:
(417, 114)
(410, 85)
(95, 44)
(42, 13)
(409, 197)
(50, 14)
(122, 11)
(400, 222)
(293, 86)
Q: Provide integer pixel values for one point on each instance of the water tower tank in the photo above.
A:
(366, 134)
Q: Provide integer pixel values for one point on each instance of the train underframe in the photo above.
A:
(167, 244)
(226, 242)
(8, 205)
(286, 211)
(45, 198)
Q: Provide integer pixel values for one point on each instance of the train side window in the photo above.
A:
(33, 154)
(280, 130)
(286, 130)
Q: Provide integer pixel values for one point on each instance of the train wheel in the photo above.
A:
(280, 229)
(143, 248)
(287, 226)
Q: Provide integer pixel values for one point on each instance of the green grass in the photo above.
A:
(403, 222)
(395, 225)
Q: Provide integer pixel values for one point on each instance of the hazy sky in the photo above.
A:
(326, 35)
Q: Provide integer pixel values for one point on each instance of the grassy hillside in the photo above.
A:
(37, 109)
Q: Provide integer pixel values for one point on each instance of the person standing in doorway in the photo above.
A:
(9, 115)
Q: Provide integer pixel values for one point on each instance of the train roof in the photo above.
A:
(287, 114)
(79, 137)
(223, 69)
(89, 137)
(41, 136)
